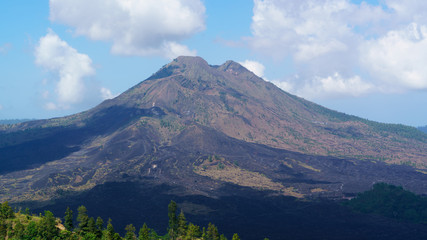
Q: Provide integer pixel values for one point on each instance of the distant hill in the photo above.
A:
(13, 121)
(392, 202)
(424, 129)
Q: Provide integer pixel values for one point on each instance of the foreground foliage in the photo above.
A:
(393, 202)
(23, 225)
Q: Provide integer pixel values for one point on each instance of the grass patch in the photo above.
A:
(229, 172)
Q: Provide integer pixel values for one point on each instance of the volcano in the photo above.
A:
(208, 136)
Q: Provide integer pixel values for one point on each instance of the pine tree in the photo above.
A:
(130, 232)
(182, 224)
(110, 231)
(222, 237)
(212, 232)
(99, 224)
(68, 219)
(173, 222)
(236, 237)
(193, 232)
(6, 211)
(31, 231)
(117, 236)
(91, 226)
(204, 233)
(144, 233)
(82, 218)
(46, 228)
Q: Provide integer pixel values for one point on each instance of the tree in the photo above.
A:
(236, 237)
(193, 231)
(90, 236)
(6, 211)
(27, 211)
(182, 224)
(204, 233)
(91, 225)
(47, 226)
(68, 219)
(222, 237)
(144, 233)
(212, 232)
(110, 231)
(82, 218)
(31, 231)
(99, 224)
(117, 236)
(173, 222)
(19, 230)
(130, 232)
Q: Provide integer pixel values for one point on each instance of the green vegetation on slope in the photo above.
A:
(391, 201)
(25, 226)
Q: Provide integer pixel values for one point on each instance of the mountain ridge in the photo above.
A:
(216, 139)
(234, 96)
(188, 112)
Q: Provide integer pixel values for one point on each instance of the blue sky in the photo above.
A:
(365, 58)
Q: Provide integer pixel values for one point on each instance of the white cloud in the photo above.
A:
(399, 58)
(408, 10)
(331, 86)
(106, 93)
(334, 44)
(71, 66)
(258, 69)
(135, 27)
(255, 67)
(335, 86)
(304, 29)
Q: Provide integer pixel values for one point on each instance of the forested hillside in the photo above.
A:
(392, 202)
(24, 225)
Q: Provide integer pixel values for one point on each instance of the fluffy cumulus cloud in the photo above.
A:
(342, 48)
(334, 86)
(254, 66)
(106, 93)
(134, 27)
(68, 65)
(399, 58)
(258, 69)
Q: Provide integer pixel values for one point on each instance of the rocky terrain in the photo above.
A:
(202, 131)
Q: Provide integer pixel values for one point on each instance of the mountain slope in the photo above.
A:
(222, 142)
(200, 126)
(233, 100)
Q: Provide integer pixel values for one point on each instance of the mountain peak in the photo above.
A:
(188, 62)
(233, 100)
(200, 126)
(191, 60)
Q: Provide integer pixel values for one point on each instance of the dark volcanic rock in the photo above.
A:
(227, 145)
